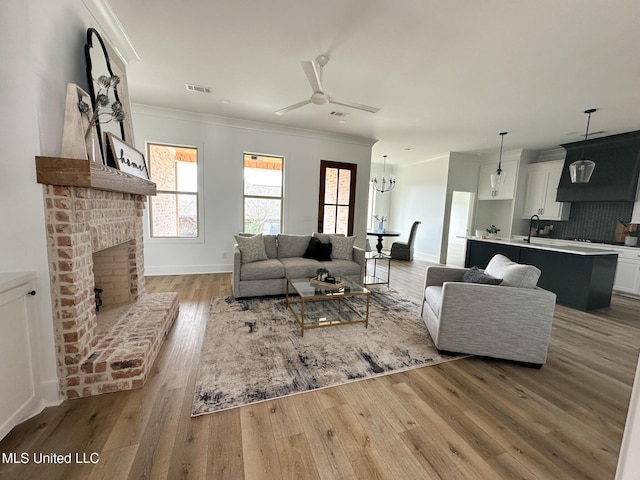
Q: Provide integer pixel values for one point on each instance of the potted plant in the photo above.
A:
(492, 231)
(321, 274)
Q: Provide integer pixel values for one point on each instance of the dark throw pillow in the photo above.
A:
(318, 250)
(474, 275)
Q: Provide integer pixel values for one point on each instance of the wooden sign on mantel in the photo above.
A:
(74, 143)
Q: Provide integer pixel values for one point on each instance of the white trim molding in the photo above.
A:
(111, 28)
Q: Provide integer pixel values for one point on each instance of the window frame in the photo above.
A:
(200, 238)
(264, 197)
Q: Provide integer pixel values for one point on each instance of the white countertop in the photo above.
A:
(9, 280)
(559, 246)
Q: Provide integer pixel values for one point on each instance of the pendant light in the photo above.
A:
(498, 177)
(383, 188)
(580, 171)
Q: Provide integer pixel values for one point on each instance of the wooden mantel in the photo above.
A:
(74, 172)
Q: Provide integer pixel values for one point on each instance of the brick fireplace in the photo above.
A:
(95, 239)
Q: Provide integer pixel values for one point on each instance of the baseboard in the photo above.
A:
(50, 393)
(187, 269)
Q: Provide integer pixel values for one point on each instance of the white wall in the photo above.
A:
(421, 194)
(41, 47)
(221, 143)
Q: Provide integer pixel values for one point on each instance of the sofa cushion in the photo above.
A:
(292, 245)
(433, 297)
(474, 275)
(318, 250)
(263, 270)
(298, 267)
(251, 248)
(342, 247)
(270, 245)
(512, 274)
(342, 267)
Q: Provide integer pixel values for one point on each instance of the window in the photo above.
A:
(263, 193)
(173, 212)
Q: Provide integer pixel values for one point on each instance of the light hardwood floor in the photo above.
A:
(467, 419)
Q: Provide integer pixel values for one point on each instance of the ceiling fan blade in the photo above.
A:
(313, 75)
(292, 107)
(359, 106)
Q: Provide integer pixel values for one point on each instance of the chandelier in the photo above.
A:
(383, 187)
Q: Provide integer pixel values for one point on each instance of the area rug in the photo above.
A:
(253, 351)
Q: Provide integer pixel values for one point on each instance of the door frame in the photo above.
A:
(353, 168)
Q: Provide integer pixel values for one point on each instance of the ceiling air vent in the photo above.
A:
(339, 114)
(197, 88)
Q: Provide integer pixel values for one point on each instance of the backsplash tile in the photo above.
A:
(593, 220)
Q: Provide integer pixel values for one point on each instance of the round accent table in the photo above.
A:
(381, 235)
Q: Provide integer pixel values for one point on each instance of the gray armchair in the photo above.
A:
(509, 321)
(404, 250)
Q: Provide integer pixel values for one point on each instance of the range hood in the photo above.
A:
(615, 177)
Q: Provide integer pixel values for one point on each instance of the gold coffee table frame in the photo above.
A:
(318, 307)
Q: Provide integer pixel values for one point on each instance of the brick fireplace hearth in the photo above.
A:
(82, 222)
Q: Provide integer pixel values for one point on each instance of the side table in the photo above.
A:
(376, 277)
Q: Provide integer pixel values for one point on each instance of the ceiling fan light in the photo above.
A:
(580, 171)
(319, 98)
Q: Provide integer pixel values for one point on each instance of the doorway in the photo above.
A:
(336, 205)
(460, 222)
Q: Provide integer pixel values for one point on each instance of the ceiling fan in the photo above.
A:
(313, 70)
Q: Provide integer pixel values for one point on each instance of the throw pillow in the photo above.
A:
(342, 247)
(251, 248)
(513, 274)
(474, 275)
(318, 250)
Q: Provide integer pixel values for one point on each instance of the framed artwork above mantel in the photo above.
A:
(102, 60)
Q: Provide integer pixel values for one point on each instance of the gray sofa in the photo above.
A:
(259, 272)
(510, 321)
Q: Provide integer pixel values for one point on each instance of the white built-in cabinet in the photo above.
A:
(540, 196)
(18, 358)
(635, 216)
(627, 279)
(507, 190)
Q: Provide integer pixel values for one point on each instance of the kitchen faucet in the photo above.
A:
(528, 239)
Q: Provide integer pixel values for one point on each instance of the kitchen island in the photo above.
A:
(581, 277)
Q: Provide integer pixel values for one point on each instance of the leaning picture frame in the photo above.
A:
(126, 158)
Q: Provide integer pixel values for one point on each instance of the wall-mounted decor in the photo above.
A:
(126, 158)
(102, 64)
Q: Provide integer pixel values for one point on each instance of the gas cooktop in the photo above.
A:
(591, 240)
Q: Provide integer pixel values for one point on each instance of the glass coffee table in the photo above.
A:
(317, 306)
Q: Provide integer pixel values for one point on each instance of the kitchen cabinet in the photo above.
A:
(540, 196)
(18, 396)
(580, 279)
(635, 216)
(627, 279)
(507, 190)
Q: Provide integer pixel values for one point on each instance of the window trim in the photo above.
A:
(200, 238)
(282, 188)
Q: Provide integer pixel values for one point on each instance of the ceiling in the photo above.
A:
(446, 76)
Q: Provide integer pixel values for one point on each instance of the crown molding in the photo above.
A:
(111, 28)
